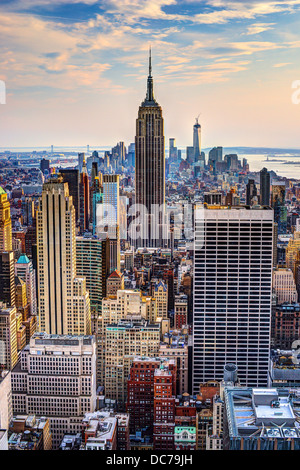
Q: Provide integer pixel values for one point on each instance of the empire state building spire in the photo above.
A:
(150, 100)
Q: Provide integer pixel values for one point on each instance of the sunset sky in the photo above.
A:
(75, 71)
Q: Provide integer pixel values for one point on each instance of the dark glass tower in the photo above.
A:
(150, 165)
(264, 187)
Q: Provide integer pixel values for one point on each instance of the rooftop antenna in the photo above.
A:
(197, 118)
(150, 65)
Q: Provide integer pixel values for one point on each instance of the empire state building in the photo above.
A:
(150, 168)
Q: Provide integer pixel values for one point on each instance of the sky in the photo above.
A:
(75, 71)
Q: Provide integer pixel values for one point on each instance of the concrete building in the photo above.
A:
(29, 433)
(56, 377)
(5, 223)
(272, 419)
(8, 337)
(125, 340)
(232, 293)
(5, 400)
(284, 286)
(115, 282)
(63, 301)
(89, 265)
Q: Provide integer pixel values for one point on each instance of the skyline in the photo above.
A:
(73, 80)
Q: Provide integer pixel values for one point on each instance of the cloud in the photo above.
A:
(284, 64)
(258, 28)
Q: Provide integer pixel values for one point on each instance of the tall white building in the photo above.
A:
(63, 301)
(232, 294)
(56, 377)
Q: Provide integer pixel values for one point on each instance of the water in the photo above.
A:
(282, 165)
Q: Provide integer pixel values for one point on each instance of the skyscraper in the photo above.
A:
(5, 222)
(24, 269)
(264, 187)
(251, 192)
(232, 294)
(197, 141)
(7, 275)
(63, 301)
(150, 165)
(72, 177)
(84, 204)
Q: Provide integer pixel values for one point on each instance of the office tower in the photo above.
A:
(94, 172)
(278, 204)
(190, 155)
(111, 206)
(5, 223)
(45, 165)
(197, 141)
(131, 155)
(178, 351)
(272, 415)
(30, 238)
(115, 256)
(180, 311)
(123, 341)
(84, 199)
(7, 275)
(150, 166)
(292, 252)
(72, 177)
(24, 269)
(251, 192)
(173, 151)
(232, 199)
(232, 162)
(215, 156)
(126, 304)
(81, 158)
(28, 210)
(8, 337)
(119, 153)
(264, 187)
(160, 293)
(64, 369)
(89, 265)
(96, 198)
(63, 301)
(129, 260)
(164, 407)
(140, 394)
(115, 282)
(7, 278)
(22, 304)
(284, 286)
(5, 404)
(232, 293)
(95, 194)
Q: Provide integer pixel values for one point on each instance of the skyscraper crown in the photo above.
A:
(150, 100)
